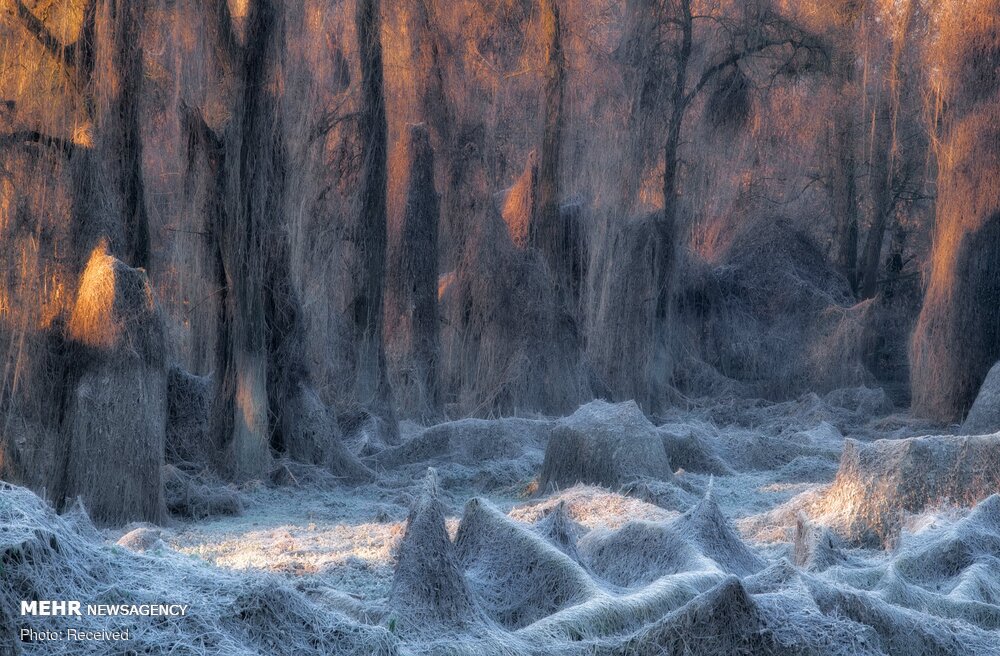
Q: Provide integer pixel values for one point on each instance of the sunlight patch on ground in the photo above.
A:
(294, 548)
(593, 507)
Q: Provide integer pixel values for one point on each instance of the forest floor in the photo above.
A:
(349, 538)
(642, 569)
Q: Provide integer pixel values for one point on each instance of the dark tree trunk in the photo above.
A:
(224, 381)
(109, 197)
(845, 201)
(247, 163)
(843, 174)
(887, 173)
(264, 398)
(370, 230)
(127, 18)
(667, 229)
(883, 208)
(426, 54)
(255, 157)
(546, 230)
(252, 205)
(641, 65)
(412, 301)
(430, 50)
(678, 105)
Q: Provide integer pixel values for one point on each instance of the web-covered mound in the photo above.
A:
(688, 584)
(738, 547)
(45, 556)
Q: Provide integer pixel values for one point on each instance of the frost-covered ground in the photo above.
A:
(746, 548)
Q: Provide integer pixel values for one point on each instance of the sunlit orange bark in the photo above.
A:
(957, 338)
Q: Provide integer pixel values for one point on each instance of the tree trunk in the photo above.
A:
(127, 17)
(370, 231)
(105, 69)
(264, 398)
(885, 179)
(678, 105)
(843, 176)
(957, 338)
(431, 94)
(254, 160)
(845, 201)
(547, 231)
(247, 163)
(883, 207)
(109, 193)
(412, 302)
(665, 247)
(639, 59)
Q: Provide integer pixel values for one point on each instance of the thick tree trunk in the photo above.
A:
(253, 206)
(412, 301)
(633, 295)
(623, 344)
(666, 229)
(639, 58)
(264, 399)
(104, 68)
(109, 192)
(957, 338)
(247, 164)
(843, 171)
(370, 230)
(431, 94)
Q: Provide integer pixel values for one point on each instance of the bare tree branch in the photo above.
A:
(43, 35)
(34, 136)
(736, 57)
(330, 120)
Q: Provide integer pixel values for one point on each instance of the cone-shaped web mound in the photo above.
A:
(428, 591)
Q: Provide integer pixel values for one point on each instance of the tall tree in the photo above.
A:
(546, 230)
(754, 30)
(957, 338)
(875, 140)
(682, 55)
(248, 162)
(372, 387)
(104, 66)
(897, 144)
(843, 136)
(426, 53)
(105, 361)
(412, 294)
(263, 394)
